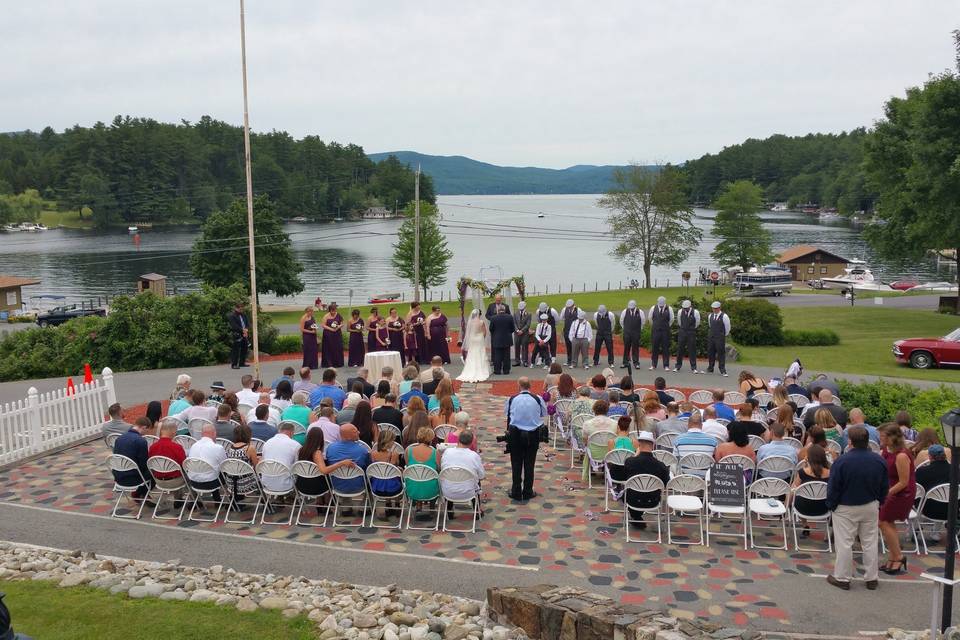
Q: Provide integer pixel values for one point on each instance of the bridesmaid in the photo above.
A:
(395, 327)
(437, 327)
(355, 353)
(382, 335)
(308, 331)
(373, 320)
(416, 319)
(332, 352)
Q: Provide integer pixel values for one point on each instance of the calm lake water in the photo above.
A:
(489, 236)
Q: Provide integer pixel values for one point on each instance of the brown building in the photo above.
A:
(807, 262)
(11, 298)
(153, 282)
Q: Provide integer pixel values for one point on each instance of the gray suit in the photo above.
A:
(521, 338)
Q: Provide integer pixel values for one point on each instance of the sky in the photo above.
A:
(521, 83)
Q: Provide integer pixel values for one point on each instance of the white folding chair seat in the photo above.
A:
(815, 491)
(340, 495)
(937, 494)
(561, 421)
(459, 474)
(577, 447)
(443, 430)
(421, 473)
(764, 503)
(234, 470)
(196, 426)
(123, 464)
(695, 464)
(614, 488)
(274, 469)
(162, 465)
(643, 483)
(306, 470)
(734, 398)
(599, 439)
(667, 458)
(676, 394)
(701, 397)
(185, 441)
(685, 495)
(385, 471)
(745, 463)
(194, 466)
(779, 465)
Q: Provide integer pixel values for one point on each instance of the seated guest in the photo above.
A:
(598, 388)
(247, 395)
(116, 423)
(644, 463)
(133, 445)
(182, 388)
(304, 384)
(858, 419)
(217, 389)
(414, 392)
(167, 448)
(738, 444)
(463, 455)
(599, 421)
(627, 392)
(722, 409)
(154, 413)
(430, 388)
(384, 452)
(312, 451)
(363, 420)
(409, 374)
(826, 403)
(777, 447)
(181, 403)
(824, 419)
(444, 414)
(197, 409)
(623, 439)
(444, 390)
(283, 396)
(672, 423)
(815, 437)
(713, 428)
(928, 438)
(378, 398)
(653, 412)
(792, 388)
(388, 412)
(415, 404)
(326, 422)
(821, 381)
(436, 362)
(816, 468)
(230, 399)
(273, 414)
(583, 404)
(905, 422)
(687, 409)
(260, 428)
(694, 440)
(328, 388)
(745, 418)
(287, 375)
(751, 384)
(345, 414)
(348, 448)
(210, 452)
(461, 420)
(386, 375)
(423, 452)
(362, 377)
(615, 409)
(785, 417)
(243, 450)
(933, 474)
(659, 386)
(609, 375)
(417, 421)
(223, 425)
(552, 379)
(282, 448)
(298, 411)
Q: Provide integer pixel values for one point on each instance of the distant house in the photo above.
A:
(11, 298)
(153, 282)
(807, 262)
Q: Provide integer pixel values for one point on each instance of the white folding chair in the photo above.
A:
(293, 424)
(270, 472)
(212, 403)
(196, 466)
(123, 464)
(626, 406)
(685, 495)
(421, 473)
(814, 491)
(763, 398)
(561, 420)
(443, 430)
(771, 415)
(912, 523)
(834, 448)
(723, 421)
(614, 488)
(745, 463)
(196, 426)
(734, 398)
(695, 464)
(793, 442)
(234, 470)
(667, 458)
(873, 446)
(161, 465)
(600, 440)
(182, 427)
(339, 495)
(110, 439)
(150, 439)
(399, 449)
(666, 441)
(244, 409)
(365, 445)
(701, 397)
(676, 394)
(257, 445)
(720, 513)
(306, 470)
(385, 471)
(575, 445)
(764, 502)
(460, 475)
(777, 467)
(553, 392)
(937, 494)
(755, 441)
(799, 399)
(185, 442)
(643, 483)
(226, 443)
(386, 426)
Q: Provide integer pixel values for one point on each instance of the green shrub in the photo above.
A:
(754, 322)
(881, 400)
(810, 338)
(288, 344)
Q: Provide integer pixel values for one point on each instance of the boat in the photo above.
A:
(11, 228)
(857, 276)
(30, 226)
(384, 298)
(300, 219)
(770, 280)
(779, 207)
(540, 215)
(944, 287)
(133, 229)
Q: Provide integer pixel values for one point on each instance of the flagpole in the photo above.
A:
(249, 172)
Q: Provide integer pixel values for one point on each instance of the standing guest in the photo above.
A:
(415, 392)
(388, 413)
(902, 491)
(622, 438)
(525, 413)
(373, 323)
(436, 363)
(261, 429)
(643, 463)
(182, 387)
(751, 384)
(496, 307)
(661, 318)
(308, 332)
(672, 423)
(346, 414)
(437, 329)
(688, 321)
(933, 474)
(355, 350)
(713, 428)
(116, 423)
(348, 448)
(738, 444)
(410, 347)
(521, 336)
(570, 313)
(328, 388)
(332, 351)
(660, 387)
(248, 396)
(242, 449)
(718, 328)
(627, 392)
(694, 441)
(857, 487)
(905, 422)
(541, 343)
(133, 445)
(417, 319)
(239, 331)
(395, 333)
(298, 410)
(363, 421)
(604, 320)
(286, 374)
(579, 336)
(724, 411)
(282, 448)
(464, 455)
(826, 403)
(325, 422)
(745, 418)
(552, 319)
(857, 418)
(928, 438)
(283, 397)
(631, 320)
(383, 390)
(777, 447)
(363, 377)
(409, 374)
(304, 384)
(502, 330)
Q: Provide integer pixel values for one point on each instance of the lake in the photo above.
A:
(490, 236)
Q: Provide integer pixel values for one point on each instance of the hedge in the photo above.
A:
(810, 338)
(881, 400)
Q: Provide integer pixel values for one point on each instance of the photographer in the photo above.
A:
(525, 413)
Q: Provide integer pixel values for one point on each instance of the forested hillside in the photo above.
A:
(138, 169)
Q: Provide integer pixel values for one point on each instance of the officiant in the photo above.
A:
(497, 306)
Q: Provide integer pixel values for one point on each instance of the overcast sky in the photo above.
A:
(519, 83)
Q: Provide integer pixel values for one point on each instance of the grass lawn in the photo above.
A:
(43, 610)
(866, 339)
(69, 219)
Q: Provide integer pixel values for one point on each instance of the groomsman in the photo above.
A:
(541, 342)
(631, 319)
(553, 318)
(579, 338)
(688, 320)
(570, 312)
(718, 328)
(604, 320)
(661, 317)
(521, 337)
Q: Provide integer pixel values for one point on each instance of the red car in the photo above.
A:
(923, 353)
(903, 285)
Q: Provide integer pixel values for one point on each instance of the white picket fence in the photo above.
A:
(45, 421)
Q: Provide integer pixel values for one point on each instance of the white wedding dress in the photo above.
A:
(476, 366)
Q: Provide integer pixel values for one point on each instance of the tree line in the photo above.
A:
(138, 169)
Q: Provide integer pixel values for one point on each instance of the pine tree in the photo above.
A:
(743, 240)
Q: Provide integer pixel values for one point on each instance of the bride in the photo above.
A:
(476, 365)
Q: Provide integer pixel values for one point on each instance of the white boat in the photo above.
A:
(300, 219)
(133, 229)
(771, 280)
(29, 226)
(946, 287)
(11, 228)
(857, 276)
(42, 227)
(779, 206)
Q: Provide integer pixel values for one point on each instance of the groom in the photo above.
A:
(502, 329)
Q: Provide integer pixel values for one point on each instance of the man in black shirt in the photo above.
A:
(930, 475)
(826, 402)
(430, 388)
(643, 463)
(793, 388)
(745, 417)
(362, 375)
(659, 385)
(388, 413)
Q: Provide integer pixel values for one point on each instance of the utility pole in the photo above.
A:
(416, 238)
(249, 172)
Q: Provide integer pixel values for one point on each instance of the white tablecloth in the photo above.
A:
(377, 360)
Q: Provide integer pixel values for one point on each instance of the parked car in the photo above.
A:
(903, 285)
(59, 315)
(923, 353)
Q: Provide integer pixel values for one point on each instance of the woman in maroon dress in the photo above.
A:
(308, 331)
(332, 351)
(373, 320)
(903, 490)
(437, 328)
(416, 319)
(355, 352)
(395, 327)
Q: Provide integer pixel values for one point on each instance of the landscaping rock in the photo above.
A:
(273, 602)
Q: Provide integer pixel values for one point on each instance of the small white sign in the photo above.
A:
(11, 298)
(878, 300)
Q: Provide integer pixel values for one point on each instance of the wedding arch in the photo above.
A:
(486, 290)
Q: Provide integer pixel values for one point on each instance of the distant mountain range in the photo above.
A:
(455, 175)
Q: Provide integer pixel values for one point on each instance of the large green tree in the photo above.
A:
(743, 240)
(221, 258)
(651, 217)
(434, 254)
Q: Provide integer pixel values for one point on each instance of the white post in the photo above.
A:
(416, 237)
(33, 419)
(107, 375)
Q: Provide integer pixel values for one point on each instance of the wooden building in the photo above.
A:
(153, 282)
(11, 298)
(807, 262)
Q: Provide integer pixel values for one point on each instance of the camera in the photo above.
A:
(501, 438)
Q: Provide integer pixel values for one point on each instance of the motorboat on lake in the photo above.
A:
(857, 276)
(771, 280)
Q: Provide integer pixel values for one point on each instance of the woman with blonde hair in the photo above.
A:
(414, 405)
(927, 438)
(903, 490)
(780, 397)
(785, 417)
(831, 430)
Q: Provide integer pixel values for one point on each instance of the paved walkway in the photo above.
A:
(562, 537)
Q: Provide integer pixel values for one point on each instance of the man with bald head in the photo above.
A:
(284, 449)
(348, 448)
(825, 396)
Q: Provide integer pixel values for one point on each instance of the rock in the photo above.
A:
(203, 595)
(75, 580)
(246, 604)
(290, 613)
(273, 602)
(107, 565)
(436, 625)
(329, 634)
(666, 634)
(123, 587)
(419, 632)
(146, 591)
(390, 634)
(226, 599)
(404, 619)
(365, 621)
(175, 595)
(329, 623)
(470, 608)
(726, 633)
(455, 632)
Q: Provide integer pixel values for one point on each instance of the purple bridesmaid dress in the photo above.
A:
(438, 338)
(355, 353)
(332, 353)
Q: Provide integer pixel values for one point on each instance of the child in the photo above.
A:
(383, 338)
(410, 343)
(541, 342)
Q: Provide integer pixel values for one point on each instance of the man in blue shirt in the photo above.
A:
(724, 411)
(858, 419)
(525, 413)
(329, 389)
(415, 391)
(777, 447)
(134, 446)
(348, 448)
(858, 485)
(694, 441)
(260, 428)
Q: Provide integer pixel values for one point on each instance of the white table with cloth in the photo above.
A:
(376, 361)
